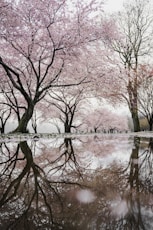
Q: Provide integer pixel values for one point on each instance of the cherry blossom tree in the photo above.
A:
(4, 7)
(67, 105)
(105, 120)
(38, 46)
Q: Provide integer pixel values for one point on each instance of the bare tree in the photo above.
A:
(133, 45)
(41, 41)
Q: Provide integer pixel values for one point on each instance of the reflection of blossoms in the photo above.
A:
(120, 208)
(85, 196)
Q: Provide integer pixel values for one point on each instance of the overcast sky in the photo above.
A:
(113, 5)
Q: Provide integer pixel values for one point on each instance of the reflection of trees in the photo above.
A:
(134, 166)
(147, 166)
(26, 184)
(21, 185)
(38, 191)
(136, 194)
(141, 168)
(67, 157)
(135, 219)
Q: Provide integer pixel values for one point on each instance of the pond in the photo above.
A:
(85, 182)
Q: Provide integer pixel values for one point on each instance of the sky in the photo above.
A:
(113, 5)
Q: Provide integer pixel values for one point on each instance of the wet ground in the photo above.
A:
(95, 182)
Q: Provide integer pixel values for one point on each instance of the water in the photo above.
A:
(82, 183)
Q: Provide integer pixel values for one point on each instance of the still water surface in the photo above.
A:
(101, 182)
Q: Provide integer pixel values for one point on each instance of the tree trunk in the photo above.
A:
(132, 91)
(136, 123)
(2, 129)
(67, 128)
(150, 125)
(150, 121)
(134, 166)
(22, 126)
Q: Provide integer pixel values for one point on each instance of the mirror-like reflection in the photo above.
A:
(91, 182)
